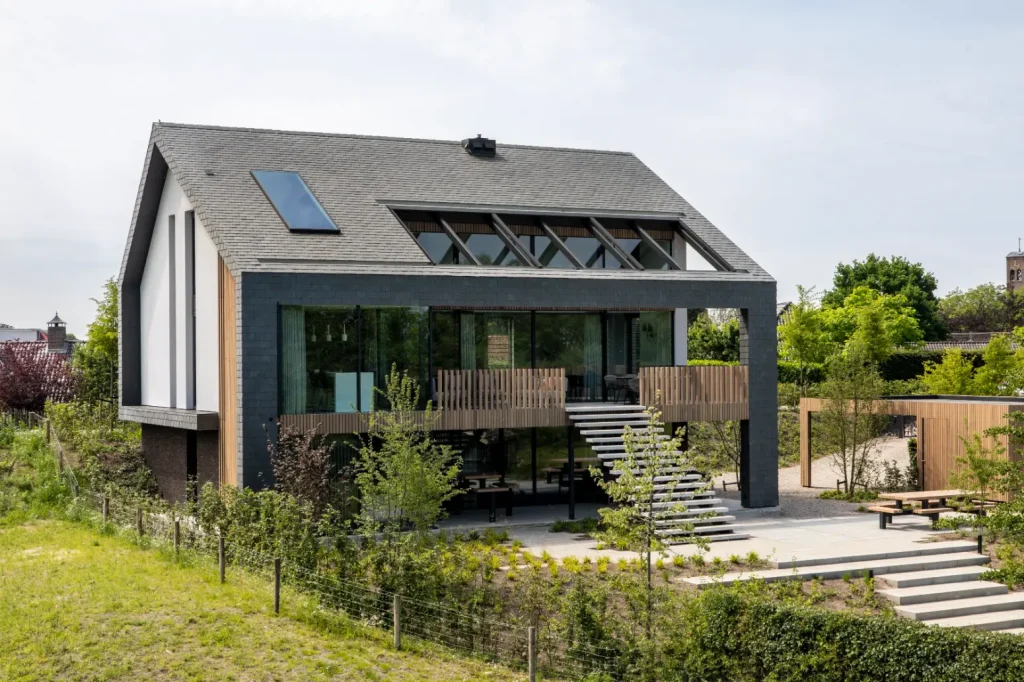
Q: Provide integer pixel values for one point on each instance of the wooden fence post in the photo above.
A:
(531, 653)
(177, 537)
(277, 586)
(106, 510)
(221, 558)
(397, 611)
(138, 522)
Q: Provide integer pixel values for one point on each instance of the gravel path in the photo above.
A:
(795, 501)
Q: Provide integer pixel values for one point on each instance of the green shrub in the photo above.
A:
(906, 365)
(582, 526)
(855, 496)
(795, 373)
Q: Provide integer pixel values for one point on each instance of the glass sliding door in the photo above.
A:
(655, 338)
(395, 337)
(319, 360)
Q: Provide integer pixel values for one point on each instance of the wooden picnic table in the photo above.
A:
(483, 478)
(925, 497)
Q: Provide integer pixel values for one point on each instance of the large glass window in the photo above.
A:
(644, 254)
(545, 251)
(591, 253)
(395, 337)
(572, 341)
(655, 338)
(320, 361)
(439, 247)
(489, 249)
(293, 201)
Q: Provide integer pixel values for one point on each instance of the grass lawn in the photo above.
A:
(75, 604)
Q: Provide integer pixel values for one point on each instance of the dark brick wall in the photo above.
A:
(261, 294)
(164, 450)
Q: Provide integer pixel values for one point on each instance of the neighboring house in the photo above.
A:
(54, 339)
(277, 276)
(968, 341)
(50, 350)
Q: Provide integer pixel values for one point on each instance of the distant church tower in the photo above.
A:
(1015, 268)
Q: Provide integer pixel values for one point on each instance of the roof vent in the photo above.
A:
(480, 146)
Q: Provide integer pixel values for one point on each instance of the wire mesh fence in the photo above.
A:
(466, 628)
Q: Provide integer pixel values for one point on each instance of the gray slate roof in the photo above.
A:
(356, 177)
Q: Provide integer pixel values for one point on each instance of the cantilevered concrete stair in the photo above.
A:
(694, 509)
(935, 583)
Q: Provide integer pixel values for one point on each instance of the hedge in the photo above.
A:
(909, 364)
(726, 635)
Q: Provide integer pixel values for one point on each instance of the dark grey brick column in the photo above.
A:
(759, 456)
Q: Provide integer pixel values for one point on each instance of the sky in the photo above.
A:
(810, 133)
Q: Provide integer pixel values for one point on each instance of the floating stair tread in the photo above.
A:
(602, 407)
(724, 521)
(942, 577)
(682, 516)
(924, 549)
(1011, 631)
(962, 607)
(853, 569)
(996, 620)
(607, 424)
(607, 416)
(724, 537)
(905, 596)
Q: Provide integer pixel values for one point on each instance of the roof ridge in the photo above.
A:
(390, 138)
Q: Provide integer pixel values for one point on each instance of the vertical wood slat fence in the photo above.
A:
(500, 389)
(696, 392)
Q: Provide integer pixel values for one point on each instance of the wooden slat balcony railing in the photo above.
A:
(500, 389)
(691, 392)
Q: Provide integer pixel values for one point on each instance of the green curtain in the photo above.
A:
(592, 357)
(293, 360)
(467, 333)
(656, 338)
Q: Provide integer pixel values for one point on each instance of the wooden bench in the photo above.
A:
(551, 471)
(932, 512)
(493, 493)
(886, 512)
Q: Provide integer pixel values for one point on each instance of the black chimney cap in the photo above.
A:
(480, 146)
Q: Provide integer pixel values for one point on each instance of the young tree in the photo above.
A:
(952, 376)
(994, 377)
(981, 466)
(850, 421)
(651, 470)
(892, 276)
(402, 476)
(29, 376)
(95, 361)
(803, 338)
(715, 446)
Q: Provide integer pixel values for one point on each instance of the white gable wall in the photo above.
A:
(164, 339)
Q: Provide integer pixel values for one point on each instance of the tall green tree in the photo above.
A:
(804, 338)
(995, 376)
(95, 362)
(892, 276)
(984, 308)
(877, 323)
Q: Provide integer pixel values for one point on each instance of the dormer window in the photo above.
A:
(294, 202)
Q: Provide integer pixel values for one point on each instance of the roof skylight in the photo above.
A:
(291, 198)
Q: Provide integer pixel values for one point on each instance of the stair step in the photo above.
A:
(699, 530)
(855, 569)
(719, 537)
(584, 418)
(595, 440)
(701, 503)
(602, 407)
(686, 501)
(692, 485)
(611, 432)
(943, 577)
(660, 470)
(926, 594)
(994, 620)
(1010, 631)
(622, 455)
(713, 520)
(686, 515)
(921, 550)
(962, 607)
(619, 424)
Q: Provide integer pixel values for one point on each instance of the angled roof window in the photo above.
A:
(293, 201)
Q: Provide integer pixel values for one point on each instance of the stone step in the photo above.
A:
(615, 424)
(699, 505)
(1011, 631)
(583, 408)
(612, 432)
(714, 520)
(925, 594)
(855, 569)
(720, 537)
(582, 418)
(620, 438)
(686, 516)
(622, 455)
(943, 577)
(963, 607)
(995, 620)
(681, 499)
(688, 485)
(924, 549)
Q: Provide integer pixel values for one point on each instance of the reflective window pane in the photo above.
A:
(489, 249)
(545, 251)
(590, 252)
(293, 201)
(644, 254)
(439, 247)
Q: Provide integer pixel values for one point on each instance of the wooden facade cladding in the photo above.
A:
(227, 454)
(525, 398)
(941, 423)
(696, 393)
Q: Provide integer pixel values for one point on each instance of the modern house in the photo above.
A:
(276, 277)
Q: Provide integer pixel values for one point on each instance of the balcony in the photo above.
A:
(524, 398)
